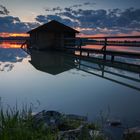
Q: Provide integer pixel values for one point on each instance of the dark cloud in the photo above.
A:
(3, 10)
(41, 18)
(53, 9)
(48, 9)
(83, 4)
(76, 6)
(44, 19)
(89, 3)
(13, 24)
(86, 3)
(90, 21)
(112, 20)
(57, 9)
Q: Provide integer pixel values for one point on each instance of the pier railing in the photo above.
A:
(78, 44)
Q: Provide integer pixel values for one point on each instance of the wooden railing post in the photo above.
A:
(112, 58)
(80, 46)
(104, 48)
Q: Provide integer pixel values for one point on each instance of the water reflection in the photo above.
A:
(126, 76)
(70, 84)
(52, 62)
(10, 56)
(10, 44)
(55, 63)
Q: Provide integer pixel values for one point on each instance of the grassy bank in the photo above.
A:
(18, 124)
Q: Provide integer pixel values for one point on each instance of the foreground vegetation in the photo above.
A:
(19, 125)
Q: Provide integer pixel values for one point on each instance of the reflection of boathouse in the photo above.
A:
(52, 62)
(50, 35)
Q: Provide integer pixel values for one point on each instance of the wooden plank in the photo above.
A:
(111, 37)
(108, 52)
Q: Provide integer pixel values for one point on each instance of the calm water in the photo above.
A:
(60, 82)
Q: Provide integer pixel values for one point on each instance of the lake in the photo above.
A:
(53, 81)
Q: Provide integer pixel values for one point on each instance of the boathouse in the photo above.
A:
(50, 35)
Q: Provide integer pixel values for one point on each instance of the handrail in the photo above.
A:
(110, 37)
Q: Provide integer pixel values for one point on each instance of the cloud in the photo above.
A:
(44, 19)
(13, 24)
(76, 6)
(3, 10)
(110, 21)
(53, 9)
(57, 9)
(41, 18)
(83, 4)
(89, 21)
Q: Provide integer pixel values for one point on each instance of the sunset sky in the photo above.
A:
(91, 17)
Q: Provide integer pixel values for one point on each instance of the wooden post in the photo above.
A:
(79, 63)
(112, 58)
(80, 45)
(103, 68)
(104, 49)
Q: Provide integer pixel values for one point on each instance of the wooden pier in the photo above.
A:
(78, 45)
(105, 42)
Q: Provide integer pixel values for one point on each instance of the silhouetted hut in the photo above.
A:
(51, 35)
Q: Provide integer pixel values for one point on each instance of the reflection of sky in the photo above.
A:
(11, 55)
(73, 91)
(116, 48)
(10, 44)
(8, 58)
(69, 92)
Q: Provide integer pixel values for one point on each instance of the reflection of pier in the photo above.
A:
(57, 62)
(105, 71)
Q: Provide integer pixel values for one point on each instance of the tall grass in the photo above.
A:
(19, 125)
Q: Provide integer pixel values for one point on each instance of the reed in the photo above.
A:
(18, 125)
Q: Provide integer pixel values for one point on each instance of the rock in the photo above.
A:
(59, 120)
(49, 118)
(71, 127)
(114, 123)
(132, 133)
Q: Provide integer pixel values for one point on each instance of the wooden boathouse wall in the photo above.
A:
(50, 36)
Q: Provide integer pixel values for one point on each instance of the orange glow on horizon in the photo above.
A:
(119, 39)
(14, 35)
(97, 35)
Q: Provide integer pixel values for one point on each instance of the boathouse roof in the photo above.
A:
(54, 26)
